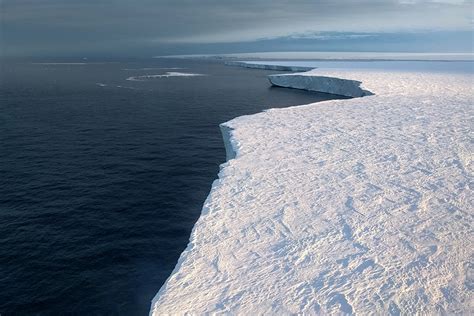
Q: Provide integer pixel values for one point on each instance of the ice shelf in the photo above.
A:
(268, 66)
(362, 205)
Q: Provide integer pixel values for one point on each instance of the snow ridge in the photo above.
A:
(354, 206)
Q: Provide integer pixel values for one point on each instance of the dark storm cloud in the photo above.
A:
(131, 25)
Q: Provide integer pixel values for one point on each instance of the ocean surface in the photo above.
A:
(102, 178)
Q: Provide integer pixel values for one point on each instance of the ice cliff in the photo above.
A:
(345, 87)
(349, 206)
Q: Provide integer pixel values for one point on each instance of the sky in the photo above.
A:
(166, 27)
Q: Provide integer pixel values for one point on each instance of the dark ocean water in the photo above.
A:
(100, 185)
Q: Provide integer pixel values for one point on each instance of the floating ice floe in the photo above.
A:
(153, 68)
(116, 86)
(166, 75)
(61, 64)
(362, 205)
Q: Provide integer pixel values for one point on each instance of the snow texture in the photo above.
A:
(357, 206)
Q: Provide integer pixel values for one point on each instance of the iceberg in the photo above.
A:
(361, 205)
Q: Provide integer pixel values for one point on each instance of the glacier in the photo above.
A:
(356, 206)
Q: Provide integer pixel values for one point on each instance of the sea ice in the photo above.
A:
(361, 206)
(61, 64)
(152, 68)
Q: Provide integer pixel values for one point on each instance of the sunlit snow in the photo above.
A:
(358, 206)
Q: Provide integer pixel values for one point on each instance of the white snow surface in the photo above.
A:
(359, 206)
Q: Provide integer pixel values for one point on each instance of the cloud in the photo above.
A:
(125, 24)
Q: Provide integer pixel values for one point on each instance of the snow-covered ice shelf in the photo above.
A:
(291, 56)
(166, 75)
(277, 67)
(358, 206)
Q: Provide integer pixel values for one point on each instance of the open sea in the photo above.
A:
(102, 178)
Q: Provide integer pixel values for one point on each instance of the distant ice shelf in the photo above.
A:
(357, 206)
(166, 75)
(268, 66)
(291, 56)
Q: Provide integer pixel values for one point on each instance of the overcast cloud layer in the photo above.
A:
(167, 26)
